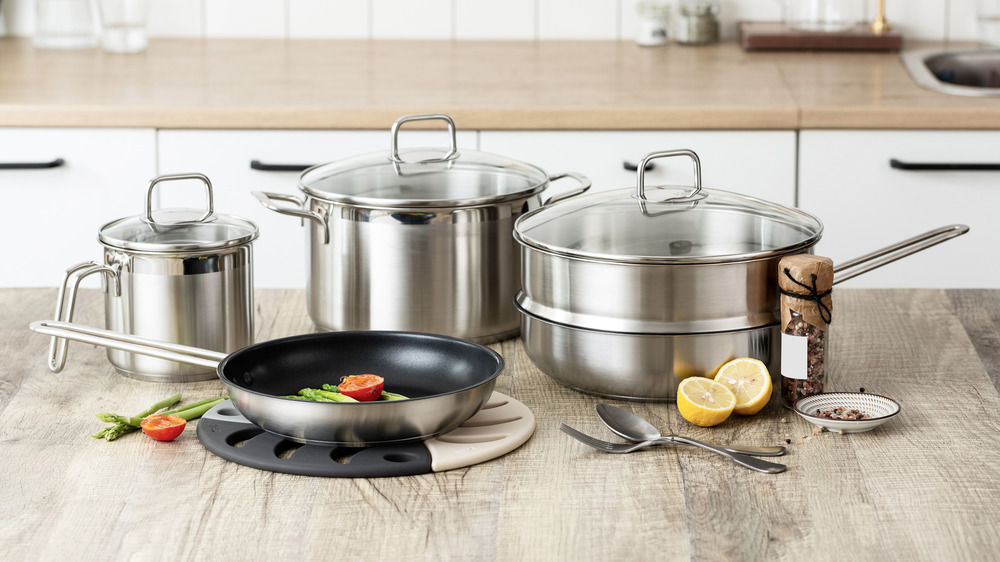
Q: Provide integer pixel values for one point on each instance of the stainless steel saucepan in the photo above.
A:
(182, 275)
(626, 292)
(446, 379)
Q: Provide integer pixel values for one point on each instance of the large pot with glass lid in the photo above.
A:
(418, 239)
(626, 292)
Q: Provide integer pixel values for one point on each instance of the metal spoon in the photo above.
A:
(634, 428)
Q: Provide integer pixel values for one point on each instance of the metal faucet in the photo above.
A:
(880, 26)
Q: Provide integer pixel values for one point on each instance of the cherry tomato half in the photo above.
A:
(363, 388)
(162, 427)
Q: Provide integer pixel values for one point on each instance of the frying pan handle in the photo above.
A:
(583, 180)
(267, 200)
(66, 302)
(889, 254)
(132, 344)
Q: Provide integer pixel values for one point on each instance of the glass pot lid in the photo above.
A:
(423, 177)
(177, 230)
(667, 224)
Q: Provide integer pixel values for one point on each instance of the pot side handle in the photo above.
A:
(583, 180)
(66, 302)
(268, 199)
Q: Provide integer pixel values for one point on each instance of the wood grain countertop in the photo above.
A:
(327, 84)
(921, 487)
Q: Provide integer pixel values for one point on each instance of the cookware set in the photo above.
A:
(420, 256)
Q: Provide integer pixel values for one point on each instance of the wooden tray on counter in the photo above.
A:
(764, 35)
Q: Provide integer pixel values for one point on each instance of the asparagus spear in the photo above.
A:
(325, 395)
(191, 411)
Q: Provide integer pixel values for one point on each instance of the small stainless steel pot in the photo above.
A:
(416, 240)
(626, 292)
(179, 275)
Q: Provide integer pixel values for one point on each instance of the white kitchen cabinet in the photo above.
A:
(865, 204)
(224, 156)
(50, 216)
(757, 163)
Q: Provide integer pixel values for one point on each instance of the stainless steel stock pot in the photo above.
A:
(184, 276)
(416, 240)
(625, 292)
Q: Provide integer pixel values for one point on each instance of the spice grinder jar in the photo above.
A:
(177, 275)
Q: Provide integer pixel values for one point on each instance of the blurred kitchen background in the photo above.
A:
(939, 20)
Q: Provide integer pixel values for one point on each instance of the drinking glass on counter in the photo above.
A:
(988, 22)
(64, 24)
(124, 25)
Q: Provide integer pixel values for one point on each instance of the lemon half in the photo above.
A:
(749, 381)
(704, 402)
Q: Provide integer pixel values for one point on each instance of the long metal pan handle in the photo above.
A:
(583, 180)
(268, 199)
(857, 266)
(132, 344)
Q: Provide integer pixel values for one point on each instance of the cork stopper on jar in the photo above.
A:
(806, 284)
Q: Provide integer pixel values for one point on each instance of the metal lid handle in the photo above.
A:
(452, 150)
(640, 188)
(209, 202)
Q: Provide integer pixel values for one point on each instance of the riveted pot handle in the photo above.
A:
(583, 180)
(66, 302)
(209, 202)
(452, 150)
(640, 186)
(268, 199)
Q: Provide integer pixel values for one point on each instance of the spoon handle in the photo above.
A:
(740, 450)
(753, 463)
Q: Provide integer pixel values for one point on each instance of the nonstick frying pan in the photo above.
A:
(447, 380)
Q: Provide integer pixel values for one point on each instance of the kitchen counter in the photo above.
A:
(599, 85)
(922, 486)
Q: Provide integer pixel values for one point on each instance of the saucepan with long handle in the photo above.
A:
(626, 292)
(446, 379)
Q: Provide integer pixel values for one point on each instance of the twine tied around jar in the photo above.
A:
(813, 294)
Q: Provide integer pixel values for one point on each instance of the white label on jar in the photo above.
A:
(794, 356)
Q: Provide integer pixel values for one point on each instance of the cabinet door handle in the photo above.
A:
(633, 167)
(949, 166)
(264, 167)
(31, 165)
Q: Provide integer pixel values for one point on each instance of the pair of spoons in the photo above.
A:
(644, 434)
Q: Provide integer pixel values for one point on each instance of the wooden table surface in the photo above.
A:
(559, 85)
(921, 487)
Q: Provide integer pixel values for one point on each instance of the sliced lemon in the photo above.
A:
(749, 381)
(704, 402)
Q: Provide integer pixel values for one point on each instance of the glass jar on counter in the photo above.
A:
(805, 283)
(697, 23)
(653, 24)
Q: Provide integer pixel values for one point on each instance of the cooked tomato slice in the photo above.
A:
(162, 427)
(363, 388)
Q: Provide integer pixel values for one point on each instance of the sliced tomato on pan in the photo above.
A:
(363, 388)
(163, 427)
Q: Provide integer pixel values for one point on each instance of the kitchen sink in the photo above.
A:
(959, 73)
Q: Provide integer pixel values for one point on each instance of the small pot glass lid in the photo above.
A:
(178, 230)
(667, 226)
